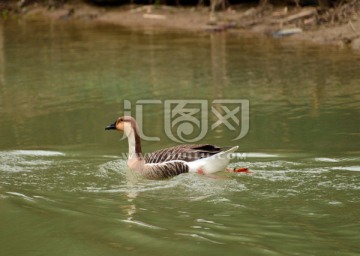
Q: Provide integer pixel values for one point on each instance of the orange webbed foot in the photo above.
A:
(238, 170)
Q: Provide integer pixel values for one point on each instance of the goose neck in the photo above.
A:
(134, 144)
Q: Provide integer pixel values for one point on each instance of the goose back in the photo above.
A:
(184, 152)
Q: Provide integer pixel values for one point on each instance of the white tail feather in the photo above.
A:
(213, 163)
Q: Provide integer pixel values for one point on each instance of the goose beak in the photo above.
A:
(111, 127)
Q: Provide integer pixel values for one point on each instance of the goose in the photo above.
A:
(169, 162)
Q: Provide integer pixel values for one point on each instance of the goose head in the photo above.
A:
(126, 124)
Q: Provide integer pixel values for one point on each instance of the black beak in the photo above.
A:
(111, 127)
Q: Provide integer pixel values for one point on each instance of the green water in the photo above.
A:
(64, 190)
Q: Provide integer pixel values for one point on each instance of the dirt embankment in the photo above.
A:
(336, 26)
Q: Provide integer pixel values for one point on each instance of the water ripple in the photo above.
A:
(26, 160)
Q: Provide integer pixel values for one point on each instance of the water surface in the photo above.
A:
(65, 190)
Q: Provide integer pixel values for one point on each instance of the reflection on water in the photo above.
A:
(218, 63)
(1, 56)
(63, 188)
(60, 85)
(2, 81)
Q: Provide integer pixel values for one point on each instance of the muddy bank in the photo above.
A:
(334, 26)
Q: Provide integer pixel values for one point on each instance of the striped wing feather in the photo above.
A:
(165, 170)
(185, 152)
